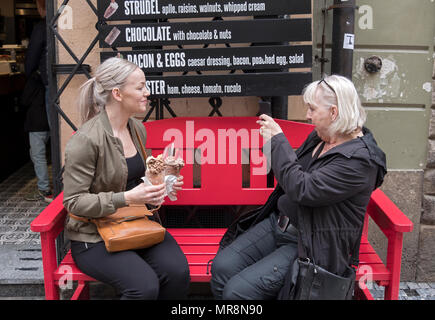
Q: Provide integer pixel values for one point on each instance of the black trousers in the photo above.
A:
(254, 265)
(159, 272)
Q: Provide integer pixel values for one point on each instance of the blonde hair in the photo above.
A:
(95, 93)
(351, 115)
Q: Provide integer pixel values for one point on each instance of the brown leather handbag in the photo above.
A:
(129, 227)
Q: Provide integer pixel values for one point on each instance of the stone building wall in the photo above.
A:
(426, 259)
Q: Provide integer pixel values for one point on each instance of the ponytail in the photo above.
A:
(87, 107)
(95, 92)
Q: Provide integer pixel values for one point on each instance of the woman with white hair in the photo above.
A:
(103, 170)
(323, 190)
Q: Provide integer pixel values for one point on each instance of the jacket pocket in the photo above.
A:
(274, 279)
(81, 227)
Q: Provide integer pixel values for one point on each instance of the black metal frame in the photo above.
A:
(54, 69)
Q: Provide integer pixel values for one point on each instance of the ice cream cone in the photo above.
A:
(155, 172)
(173, 166)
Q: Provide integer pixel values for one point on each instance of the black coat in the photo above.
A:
(33, 96)
(331, 196)
(33, 99)
(36, 54)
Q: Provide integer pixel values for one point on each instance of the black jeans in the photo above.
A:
(159, 272)
(254, 265)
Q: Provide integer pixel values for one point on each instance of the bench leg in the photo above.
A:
(49, 264)
(51, 290)
(81, 292)
(362, 294)
(394, 260)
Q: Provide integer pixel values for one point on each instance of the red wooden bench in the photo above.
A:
(224, 180)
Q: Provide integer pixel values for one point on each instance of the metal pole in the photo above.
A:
(278, 104)
(53, 115)
(343, 37)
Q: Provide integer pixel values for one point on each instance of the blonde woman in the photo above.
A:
(103, 167)
(327, 181)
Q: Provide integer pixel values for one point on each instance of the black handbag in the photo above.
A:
(316, 283)
(312, 282)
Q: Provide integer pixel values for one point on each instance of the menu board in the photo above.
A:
(254, 84)
(157, 9)
(245, 58)
(205, 32)
(257, 50)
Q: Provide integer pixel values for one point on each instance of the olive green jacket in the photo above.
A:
(95, 174)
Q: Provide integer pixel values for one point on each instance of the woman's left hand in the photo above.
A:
(177, 186)
(269, 127)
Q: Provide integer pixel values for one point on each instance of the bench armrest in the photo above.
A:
(51, 219)
(49, 223)
(386, 214)
(393, 223)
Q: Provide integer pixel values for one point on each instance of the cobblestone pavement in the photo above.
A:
(21, 247)
(16, 213)
(408, 291)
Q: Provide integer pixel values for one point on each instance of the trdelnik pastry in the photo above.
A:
(155, 172)
(173, 165)
(172, 169)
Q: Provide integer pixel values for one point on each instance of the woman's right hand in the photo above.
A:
(141, 194)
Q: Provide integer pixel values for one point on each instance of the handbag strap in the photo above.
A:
(144, 153)
(301, 249)
(145, 156)
(129, 218)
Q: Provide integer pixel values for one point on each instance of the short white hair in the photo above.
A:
(351, 114)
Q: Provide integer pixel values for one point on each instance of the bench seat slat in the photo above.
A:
(73, 272)
(380, 272)
(200, 249)
(366, 248)
(196, 232)
(369, 258)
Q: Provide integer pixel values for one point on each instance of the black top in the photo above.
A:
(136, 171)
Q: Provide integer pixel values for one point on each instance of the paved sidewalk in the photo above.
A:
(408, 291)
(21, 275)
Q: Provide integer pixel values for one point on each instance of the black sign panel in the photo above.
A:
(151, 34)
(256, 84)
(244, 58)
(153, 9)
